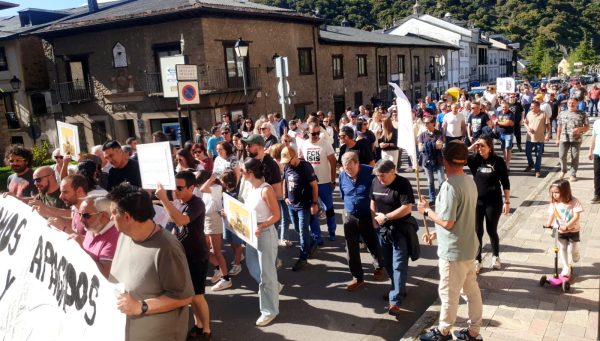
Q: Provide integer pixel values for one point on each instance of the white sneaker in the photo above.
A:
(496, 263)
(279, 287)
(576, 256)
(477, 266)
(216, 276)
(285, 242)
(241, 260)
(566, 271)
(222, 285)
(264, 320)
(235, 269)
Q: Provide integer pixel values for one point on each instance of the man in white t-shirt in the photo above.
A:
(454, 127)
(544, 106)
(320, 154)
(295, 133)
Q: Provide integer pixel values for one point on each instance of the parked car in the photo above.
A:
(555, 81)
(587, 79)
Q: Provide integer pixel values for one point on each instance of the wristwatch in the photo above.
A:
(385, 218)
(144, 308)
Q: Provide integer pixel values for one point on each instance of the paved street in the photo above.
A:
(515, 306)
(314, 303)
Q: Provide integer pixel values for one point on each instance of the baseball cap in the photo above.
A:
(456, 153)
(427, 119)
(254, 139)
(539, 97)
(287, 154)
(353, 114)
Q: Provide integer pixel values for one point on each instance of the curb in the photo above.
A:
(431, 315)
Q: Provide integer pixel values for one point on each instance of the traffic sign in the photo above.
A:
(281, 67)
(187, 72)
(168, 74)
(442, 60)
(283, 88)
(188, 92)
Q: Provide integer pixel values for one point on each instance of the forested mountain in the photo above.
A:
(559, 25)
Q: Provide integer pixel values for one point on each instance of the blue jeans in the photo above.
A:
(395, 256)
(283, 225)
(261, 265)
(538, 149)
(301, 220)
(326, 196)
(593, 105)
(429, 172)
(506, 141)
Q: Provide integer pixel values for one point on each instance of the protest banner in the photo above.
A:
(241, 219)
(50, 289)
(156, 165)
(505, 85)
(68, 139)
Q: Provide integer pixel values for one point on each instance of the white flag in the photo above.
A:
(406, 133)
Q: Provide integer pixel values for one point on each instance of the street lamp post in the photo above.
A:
(15, 84)
(437, 75)
(241, 50)
(436, 70)
(432, 72)
(514, 68)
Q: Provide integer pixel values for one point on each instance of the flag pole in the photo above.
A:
(416, 164)
(407, 139)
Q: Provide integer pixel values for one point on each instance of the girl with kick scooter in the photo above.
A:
(565, 211)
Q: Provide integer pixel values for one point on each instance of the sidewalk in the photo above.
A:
(515, 306)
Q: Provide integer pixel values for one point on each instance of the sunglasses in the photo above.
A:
(180, 188)
(58, 157)
(87, 215)
(36, 180)
(316, 133)
(248, 122)
(262, 128)
(197, 151)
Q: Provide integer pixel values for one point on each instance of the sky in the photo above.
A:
(44, 4)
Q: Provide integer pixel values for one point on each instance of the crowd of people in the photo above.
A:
(162, 244)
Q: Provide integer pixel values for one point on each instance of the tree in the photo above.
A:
(561, 23)
(536, 55)
(547, 66)
(584, 52)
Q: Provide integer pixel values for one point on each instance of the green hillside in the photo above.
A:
(559, 25)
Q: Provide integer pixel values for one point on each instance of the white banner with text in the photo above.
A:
(50, 289)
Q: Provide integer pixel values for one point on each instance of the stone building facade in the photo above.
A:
(104, 67)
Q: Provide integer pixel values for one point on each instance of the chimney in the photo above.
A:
(93, 6)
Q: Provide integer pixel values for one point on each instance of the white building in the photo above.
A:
(477, 61)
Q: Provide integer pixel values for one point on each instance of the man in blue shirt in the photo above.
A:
(355, 188)
(282, 125)
(211, 144)
(301, 197)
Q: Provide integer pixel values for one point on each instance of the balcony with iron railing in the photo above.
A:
(211, 80)
(77, 90)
